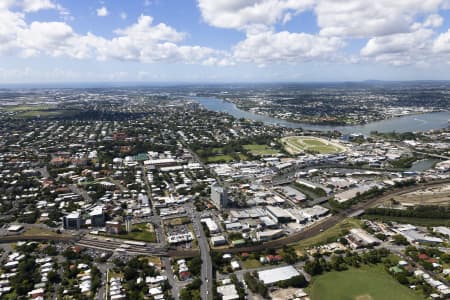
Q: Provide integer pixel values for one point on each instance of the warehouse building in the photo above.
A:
(272, 276)
(279, 214)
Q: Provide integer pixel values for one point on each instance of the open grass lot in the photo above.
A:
(32, 111)
(37, 231)
(260, 150)
(17, 108)
(251, 263)
(177, 221)
(140, 232)
(40, 113)
(154, 259)
(413, 221)
(300, 144)
(329, 235)
(219, 158)
(365, 283)
(225, 158)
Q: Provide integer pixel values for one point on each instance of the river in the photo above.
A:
(410, 123)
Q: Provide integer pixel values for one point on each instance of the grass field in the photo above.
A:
(365, 283)
(18, 108)
(329, 235)
(251, 263)
(39, 113)
(219, 158)
(260, 150)
(33, 231)
(300, 144)
(141, 233)
(177, 221)
(154, 259)
(32, 111)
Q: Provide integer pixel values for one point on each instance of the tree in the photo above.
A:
(290, 255)
(401, 278)
(195, 265)
(51, 250)
(399, 239)
(338, 263)
(313, 267)
(380, 236)
(130, 273)
(296, 281)
(343, 241)
(53, 277)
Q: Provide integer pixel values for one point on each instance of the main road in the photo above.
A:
(206, 271)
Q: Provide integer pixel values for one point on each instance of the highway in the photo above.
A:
(156, 219)
(206, 271)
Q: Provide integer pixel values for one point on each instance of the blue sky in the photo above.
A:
(223, 40)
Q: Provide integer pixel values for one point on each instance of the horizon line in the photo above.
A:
(117, 84)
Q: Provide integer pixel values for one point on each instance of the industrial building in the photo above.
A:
(219, 240)
(211, 225)
(268, 235)
(279, 214)
(228, 292)
(359, 238)
(271, 276)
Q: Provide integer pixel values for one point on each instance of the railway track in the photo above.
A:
(331, 221)
(152, 249)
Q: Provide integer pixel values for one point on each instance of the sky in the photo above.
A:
(209, 41)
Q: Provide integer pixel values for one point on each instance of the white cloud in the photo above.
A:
(442, 43)
(362, 18)
(143, 41)
(102, 11)
(45, 38)
(10, 23)
(144, 31)
(146, 43)
(433, 21)
(250, 14)
(397, 32)
(5, 4)
(37, 5)
(268, 47)
(400, 48)
(123, 16)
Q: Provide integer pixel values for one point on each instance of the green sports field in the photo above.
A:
(365, 283)
(300, 144)
(260, 150)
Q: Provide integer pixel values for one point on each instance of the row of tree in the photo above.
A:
(421, 211)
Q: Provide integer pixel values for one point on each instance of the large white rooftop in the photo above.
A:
(278, 274)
